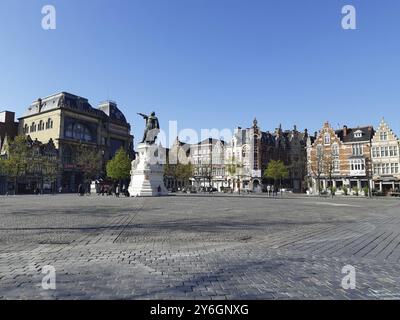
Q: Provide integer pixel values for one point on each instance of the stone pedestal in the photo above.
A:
(147, 175)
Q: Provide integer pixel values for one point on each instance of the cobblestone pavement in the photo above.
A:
(199, 247)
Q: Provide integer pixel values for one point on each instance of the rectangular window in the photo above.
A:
(327, 138)
(335, 150)
(387, 168)
(357, 149)
(336, 166)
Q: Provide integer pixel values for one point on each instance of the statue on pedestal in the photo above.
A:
(152, 128)
(147, 174)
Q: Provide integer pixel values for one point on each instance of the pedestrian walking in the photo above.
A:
(81, 190)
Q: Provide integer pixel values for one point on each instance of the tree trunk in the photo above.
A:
(16, 185)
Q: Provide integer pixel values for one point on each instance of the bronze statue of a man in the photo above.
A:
(152, 128)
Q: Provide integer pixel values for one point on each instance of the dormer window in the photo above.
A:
(358, 134)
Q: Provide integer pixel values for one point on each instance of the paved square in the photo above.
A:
(199, 247)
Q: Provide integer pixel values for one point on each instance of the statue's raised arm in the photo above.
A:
(143, 115)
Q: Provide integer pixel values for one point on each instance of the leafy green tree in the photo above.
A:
(180, 171)
(277, 171)
(90, 161)
(17, 159)
(169, 170)
(233, 168)
(119, 167)
(2, 167)
(23, 158)
(184, 172)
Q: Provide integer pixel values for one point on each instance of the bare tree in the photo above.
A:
(368, 174)
(317, 169)
(329, 160)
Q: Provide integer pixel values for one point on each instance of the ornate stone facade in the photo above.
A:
(248, 152)
(385, 159)
(70, 121)
(37, 175)
(340, 158)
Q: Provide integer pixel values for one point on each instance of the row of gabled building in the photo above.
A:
(351, 158)
(354, 159)
(249, 151)
(331, 159)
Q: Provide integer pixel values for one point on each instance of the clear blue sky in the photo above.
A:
(209, 63)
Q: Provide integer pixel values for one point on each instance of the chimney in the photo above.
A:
(344, 131)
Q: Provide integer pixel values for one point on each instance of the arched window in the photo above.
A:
(26, 129)
(40, 125)
(49, 124)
